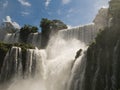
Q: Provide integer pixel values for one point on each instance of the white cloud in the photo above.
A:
(25, 13)
(24, 3)
(7, 19)
(47, 3)
(5, 4)
(15, 24)
(66, 1)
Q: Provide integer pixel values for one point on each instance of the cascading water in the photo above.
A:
(77, 74)
(53, 68)
(11, 38)
(11, 64)
(34, 39)
(85, 33)
(53, 65)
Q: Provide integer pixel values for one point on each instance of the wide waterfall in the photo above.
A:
(85, 33)
(52, 66)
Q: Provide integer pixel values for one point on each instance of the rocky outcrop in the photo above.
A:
(101, 19)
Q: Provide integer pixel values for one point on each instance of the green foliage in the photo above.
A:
(58, 25)
(50, 27)
(23, 45)
(26, 30)
(47, 25)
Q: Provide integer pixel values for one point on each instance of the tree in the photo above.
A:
(26, 30)
(50, 27)
(58, 25)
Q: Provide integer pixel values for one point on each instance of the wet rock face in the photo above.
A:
(101, 19)
(103, 56)
(102, 71)
(78, 53)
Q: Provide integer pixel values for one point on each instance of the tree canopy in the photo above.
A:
(26, 30)
(49, 27)
(52, 25)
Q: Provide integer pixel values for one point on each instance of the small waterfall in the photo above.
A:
(34, 39)
(34, 62)
(85, 33)
(77, 74)
(29, 64)
(12, 64)
(15, 65)
(11, 38)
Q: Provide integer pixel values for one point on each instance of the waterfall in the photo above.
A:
(77, 74)
(51, 66)
(85, 33)
(15, 65)
(11, 64)
(34, 39)
(11, 38)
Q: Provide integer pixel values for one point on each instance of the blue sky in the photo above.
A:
(71, 12)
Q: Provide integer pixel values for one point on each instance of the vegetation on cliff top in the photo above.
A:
(25, 31)
(50, 27)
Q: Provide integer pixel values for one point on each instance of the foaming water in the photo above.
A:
(54, 66)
